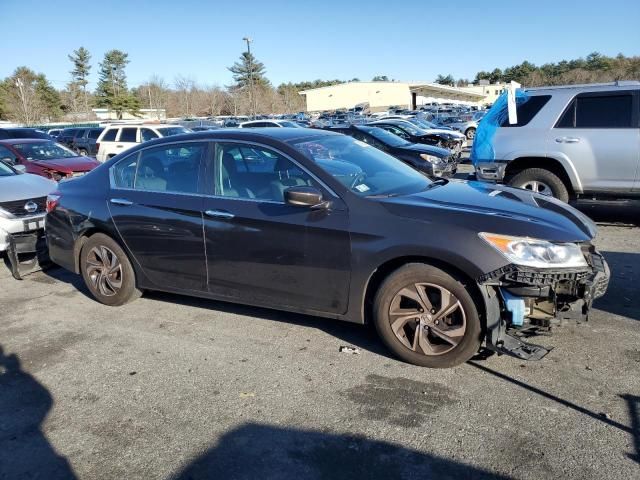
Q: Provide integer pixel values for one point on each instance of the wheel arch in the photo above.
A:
(383, 271)
(563, 169)
(84, 237)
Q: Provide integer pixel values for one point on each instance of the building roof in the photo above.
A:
(437, 90)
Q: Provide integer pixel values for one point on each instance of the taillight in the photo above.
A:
(97, 147)
(52, 201)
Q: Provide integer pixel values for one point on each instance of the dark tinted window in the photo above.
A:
(527, 110)
(128, 135)
(146, 134)
(94, 133)
(7, 155)
(79, 133)
(568, 117)
(110, 135)
(610, 111)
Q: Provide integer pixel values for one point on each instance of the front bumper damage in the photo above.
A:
(523, 300)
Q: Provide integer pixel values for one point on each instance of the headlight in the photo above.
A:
(429, 158)
(531, 252)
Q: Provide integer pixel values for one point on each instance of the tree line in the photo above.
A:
(28, 97)
(595, 68)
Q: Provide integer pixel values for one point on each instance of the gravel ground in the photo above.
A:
(175, 387)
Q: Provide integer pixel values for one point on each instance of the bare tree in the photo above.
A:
(22, 100)
(156, 94)
(185, 87)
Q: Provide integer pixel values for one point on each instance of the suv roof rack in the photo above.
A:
(617, 83)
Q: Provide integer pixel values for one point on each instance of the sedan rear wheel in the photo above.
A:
(107, 272)
(83, 152)
(427, 317)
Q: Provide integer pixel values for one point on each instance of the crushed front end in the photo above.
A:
(529, 300)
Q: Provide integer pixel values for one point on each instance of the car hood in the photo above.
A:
(430, 149)
(68, 165)
(438, 131)
(497, 209)
(24, 186)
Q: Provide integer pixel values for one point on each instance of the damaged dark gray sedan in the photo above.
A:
(319, 223)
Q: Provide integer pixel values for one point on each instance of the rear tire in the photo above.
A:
(427, 317)
(107, 271)
(83, 152)
(541, 181)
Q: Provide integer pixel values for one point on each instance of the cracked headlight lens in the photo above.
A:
(536, 253)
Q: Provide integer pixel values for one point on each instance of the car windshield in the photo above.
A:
(386, 137)
(5, 171)
(167, 132)
(43, 151)
(363, 169)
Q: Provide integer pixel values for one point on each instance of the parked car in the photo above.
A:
(568, 142)
(415, 134)
(85, 141)
(466, 127)
(22, 209)
(21, 132)
(433, 161)
(269, 123)
(118, 138)
(319, 223)
(67, 135)
(45, 158)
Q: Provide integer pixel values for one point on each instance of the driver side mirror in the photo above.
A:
(305, 197)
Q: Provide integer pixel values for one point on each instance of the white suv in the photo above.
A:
(116, 139)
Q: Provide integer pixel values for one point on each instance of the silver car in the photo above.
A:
(22, 208)
(573, 141)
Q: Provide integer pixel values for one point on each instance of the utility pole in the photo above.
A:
(252, 102)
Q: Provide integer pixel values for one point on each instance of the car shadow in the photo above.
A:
(621, 297)
(633, 403)
(272, 452)
(25, 451)
(614, 212)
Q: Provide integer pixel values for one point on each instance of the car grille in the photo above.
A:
(16, 207)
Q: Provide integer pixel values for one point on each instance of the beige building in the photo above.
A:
(382, 95)
(490, 91)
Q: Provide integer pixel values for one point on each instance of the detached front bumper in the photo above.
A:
(23, 239)
(490, 171)
(528, 299)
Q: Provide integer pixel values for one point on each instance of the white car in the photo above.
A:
(270, 123)
(118, 138)
(23, 199)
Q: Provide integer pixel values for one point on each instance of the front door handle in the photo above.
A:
(121, 201)
(219, 214)
(567, 140)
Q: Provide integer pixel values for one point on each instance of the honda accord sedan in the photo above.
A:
(320, 223)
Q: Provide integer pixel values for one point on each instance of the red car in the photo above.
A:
(45, 158)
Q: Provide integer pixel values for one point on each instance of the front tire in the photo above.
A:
(427, 317)
(107, 271)
(470, 133)
(541, 181)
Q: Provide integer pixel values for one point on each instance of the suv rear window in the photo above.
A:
(110, 135)
(128, 135)
(94, 133)
(527, 110)
(598, 111)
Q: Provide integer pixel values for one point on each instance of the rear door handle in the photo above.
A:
(219, 214)
(121, 201)
(119, 146)
(567, 140)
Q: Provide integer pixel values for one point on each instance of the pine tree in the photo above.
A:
(248, 70)
(112, 91)
(80, 59)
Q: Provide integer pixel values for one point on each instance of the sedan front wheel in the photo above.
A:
(427, 317)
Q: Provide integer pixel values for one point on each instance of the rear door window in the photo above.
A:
(128, 135)
(147, 134)
(94, 133)
(110, 135)
(598, 111)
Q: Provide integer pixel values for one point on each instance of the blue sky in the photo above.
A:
(305, 40)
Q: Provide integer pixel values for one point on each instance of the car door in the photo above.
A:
(598, 132)
(156, 205)
(264, 251)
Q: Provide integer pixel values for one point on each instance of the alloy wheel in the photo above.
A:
(538, 187)
(104, 271)
(427, 318)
